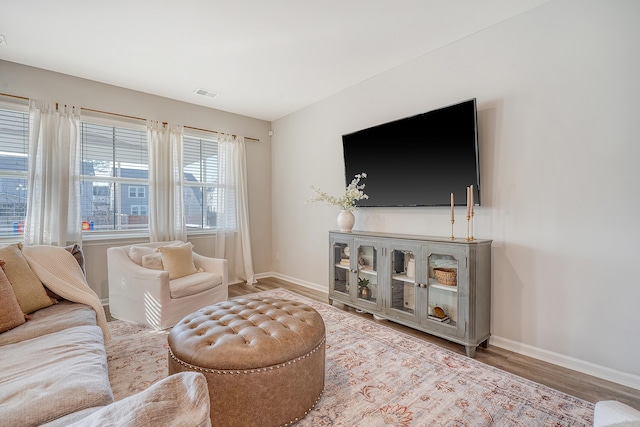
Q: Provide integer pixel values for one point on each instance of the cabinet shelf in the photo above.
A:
(403, 278)
(368, 271)
(344, 267)
(433, 283)
(451, 324)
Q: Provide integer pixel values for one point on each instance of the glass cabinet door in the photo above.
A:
(341, 270)
(367, 260)
(403, 300)
(446, 278)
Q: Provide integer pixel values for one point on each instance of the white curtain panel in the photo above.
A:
(53, 206)
(166, 204)
(233, 239)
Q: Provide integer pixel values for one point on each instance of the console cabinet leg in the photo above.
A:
(471, 350)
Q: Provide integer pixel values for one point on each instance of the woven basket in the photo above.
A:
(446, 276)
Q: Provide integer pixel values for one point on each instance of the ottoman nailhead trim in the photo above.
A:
(252, 371)
(305, 413)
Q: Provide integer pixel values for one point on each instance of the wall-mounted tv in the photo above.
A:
(419, 160)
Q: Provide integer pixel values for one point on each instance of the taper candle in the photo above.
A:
(468, 205)
(452, 207)
(472, 203)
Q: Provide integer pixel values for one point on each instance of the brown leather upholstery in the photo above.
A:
(263, 359)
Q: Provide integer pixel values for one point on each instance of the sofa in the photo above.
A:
(54, 362)
(611, 413)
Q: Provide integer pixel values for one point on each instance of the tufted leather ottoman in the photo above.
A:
(263, 359)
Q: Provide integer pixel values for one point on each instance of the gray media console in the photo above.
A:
(432, 284)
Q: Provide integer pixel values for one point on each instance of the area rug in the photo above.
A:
(377, 376)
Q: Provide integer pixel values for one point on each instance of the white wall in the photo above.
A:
(36, 83)
(557, 90)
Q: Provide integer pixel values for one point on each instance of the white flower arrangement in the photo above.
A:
(347, 202)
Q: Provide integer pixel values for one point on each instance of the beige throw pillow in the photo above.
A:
(11, 314)
(29, 291)
(177, 260)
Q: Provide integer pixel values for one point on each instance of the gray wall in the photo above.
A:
(36, 83)
(557, 90)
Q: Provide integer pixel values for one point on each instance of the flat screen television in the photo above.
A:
(419, 160)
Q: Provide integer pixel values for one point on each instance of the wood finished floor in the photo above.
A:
(574, 383)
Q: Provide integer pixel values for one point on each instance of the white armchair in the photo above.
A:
(148, 296)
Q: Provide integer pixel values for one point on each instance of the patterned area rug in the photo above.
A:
(377, 376)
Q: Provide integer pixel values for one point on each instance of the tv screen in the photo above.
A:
(418, 160)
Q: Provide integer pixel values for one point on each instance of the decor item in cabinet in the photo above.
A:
(411, 267)
(462, 294)
(446, 276)
(364, 291)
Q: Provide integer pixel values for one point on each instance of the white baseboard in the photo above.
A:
(579, 365)
(305, 284)
(585, 367)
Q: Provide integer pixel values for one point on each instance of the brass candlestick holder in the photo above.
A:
(468, 228)
(451, 237)
(471, 226)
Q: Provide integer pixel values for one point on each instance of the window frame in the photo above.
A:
(203, 185)
(19, 106)
(116, 183)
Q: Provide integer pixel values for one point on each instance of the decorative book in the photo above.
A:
(444, 319)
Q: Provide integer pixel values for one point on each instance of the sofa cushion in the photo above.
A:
(178, 400)
(610, 413)
(137, 252)
(11, 314)
(65, 314)
(51, 376)
(72, 418)
(30, 293)
(194, 284)
(152, 261)
(177, 260)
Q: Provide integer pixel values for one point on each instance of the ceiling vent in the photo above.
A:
(205, 92)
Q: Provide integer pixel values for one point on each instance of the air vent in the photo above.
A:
(205, 92)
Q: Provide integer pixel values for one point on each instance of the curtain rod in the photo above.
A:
(132, 117)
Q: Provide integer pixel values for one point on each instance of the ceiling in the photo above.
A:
(264, 59)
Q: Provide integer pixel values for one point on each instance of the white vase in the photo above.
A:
(346, 219)
(411, 268)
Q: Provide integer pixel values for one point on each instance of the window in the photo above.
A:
(14, 148)
(137, 192)
(204, 195)
(114, 181)
(138, 210)
(114, 169)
